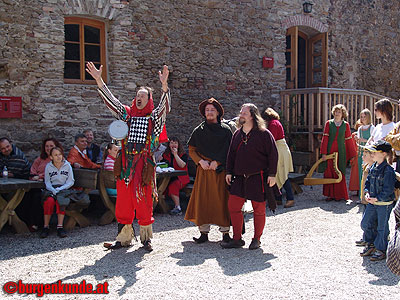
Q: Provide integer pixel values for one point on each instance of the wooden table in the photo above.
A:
(17, 188)
(162, 184)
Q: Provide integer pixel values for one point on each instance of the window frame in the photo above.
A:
(93, 23)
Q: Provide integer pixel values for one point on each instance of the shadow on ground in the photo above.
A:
(381, 271)
(232, 261)
(114, 264)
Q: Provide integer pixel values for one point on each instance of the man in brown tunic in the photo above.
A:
(251, 169)
(208, 147)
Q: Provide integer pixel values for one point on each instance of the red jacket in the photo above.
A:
(75, 157)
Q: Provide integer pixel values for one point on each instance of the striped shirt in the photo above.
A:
(109, 163)
(16, 163)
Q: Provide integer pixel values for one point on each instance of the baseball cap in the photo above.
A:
(379, 146)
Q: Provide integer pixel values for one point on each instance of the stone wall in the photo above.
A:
(213, 48)
(367, 34)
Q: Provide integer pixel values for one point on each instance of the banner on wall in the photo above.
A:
(10, 107)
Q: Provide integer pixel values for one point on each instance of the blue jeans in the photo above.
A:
(375, 224)
(289, 193)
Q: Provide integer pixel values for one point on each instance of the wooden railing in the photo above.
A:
(307, 110)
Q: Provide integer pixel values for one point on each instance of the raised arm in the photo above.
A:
(95, 73)
(164, 107)
(113, 104)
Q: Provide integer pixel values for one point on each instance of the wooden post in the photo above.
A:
(310, 122)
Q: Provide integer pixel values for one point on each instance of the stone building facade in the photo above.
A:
(214, 49)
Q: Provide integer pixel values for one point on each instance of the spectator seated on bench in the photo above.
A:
(176, 158)
(110, 155)
(77, 156)
(59, 179)
(107, 183)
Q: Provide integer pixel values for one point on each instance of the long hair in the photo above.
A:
(258, 121)
(108, 147)
(180, 147)
(270, 114)
(43, 154)
(367, 114)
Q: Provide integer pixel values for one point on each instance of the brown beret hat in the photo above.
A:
(215, 103)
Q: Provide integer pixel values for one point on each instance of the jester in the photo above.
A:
(136, 187)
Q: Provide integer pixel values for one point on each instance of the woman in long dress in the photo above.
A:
(337, 138)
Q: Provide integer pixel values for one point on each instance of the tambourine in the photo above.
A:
(118, 130)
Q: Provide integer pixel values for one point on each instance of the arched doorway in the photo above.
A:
(306, 58)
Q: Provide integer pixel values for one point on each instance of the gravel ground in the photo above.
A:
(308, 252)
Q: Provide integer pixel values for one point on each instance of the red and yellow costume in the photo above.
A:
(135, 192)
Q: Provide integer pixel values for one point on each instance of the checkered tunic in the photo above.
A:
(393, 250)
(139, 125)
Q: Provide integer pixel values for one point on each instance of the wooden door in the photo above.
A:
(318, 60)
(291, 57)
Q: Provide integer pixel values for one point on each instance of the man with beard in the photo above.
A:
(251, 169)
(135, 171)
(208, 147)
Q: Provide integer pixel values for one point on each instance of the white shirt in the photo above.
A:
(83, 153)
(63, 177)
(380, 132)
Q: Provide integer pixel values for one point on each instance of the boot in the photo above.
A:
(226, 238)
(255, 244)
(117, 244)
(147, 246)
(114, 246)
(233, 244)
(289, 203)
(202, 239)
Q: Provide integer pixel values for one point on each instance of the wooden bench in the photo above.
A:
(107, 180)
(86, 179)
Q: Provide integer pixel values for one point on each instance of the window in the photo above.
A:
(84, 41)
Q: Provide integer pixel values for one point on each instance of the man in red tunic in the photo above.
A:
(251, 169)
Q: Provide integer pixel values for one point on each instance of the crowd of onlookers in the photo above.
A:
(369, 149)
(51, 167)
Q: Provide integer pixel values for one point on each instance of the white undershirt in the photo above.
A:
(381, 131)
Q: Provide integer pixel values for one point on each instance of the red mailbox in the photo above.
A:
(268, 62)
(10, 107)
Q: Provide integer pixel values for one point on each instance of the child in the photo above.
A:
(379, 193)
(368, 162)
(354, 182)
(109, 156)
(58, 178)
(364, 132)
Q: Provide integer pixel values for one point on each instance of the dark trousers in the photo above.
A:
(289, 193)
